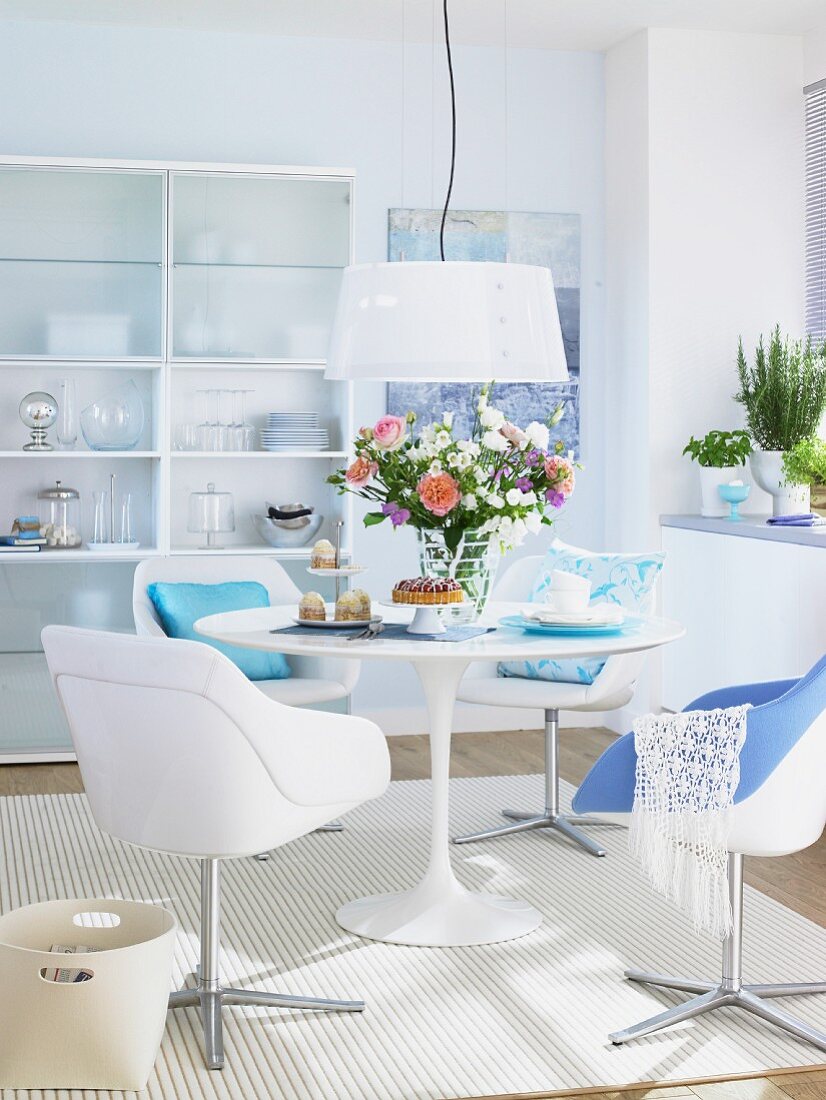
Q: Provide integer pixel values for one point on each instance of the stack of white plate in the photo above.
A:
(294, 431)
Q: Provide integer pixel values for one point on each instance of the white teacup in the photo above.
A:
(569, 592)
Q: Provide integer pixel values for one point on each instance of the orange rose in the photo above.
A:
(439, 493)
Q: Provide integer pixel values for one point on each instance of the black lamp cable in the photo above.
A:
(453, 133)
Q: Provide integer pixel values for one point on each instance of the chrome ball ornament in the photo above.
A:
(38, 411)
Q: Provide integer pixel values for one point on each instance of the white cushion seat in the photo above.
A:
(301, 691)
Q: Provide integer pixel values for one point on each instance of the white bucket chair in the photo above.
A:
(314, 680)
(612, 688)
(779, 808)
(181, 754)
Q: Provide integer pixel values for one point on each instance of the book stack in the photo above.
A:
(11, 544)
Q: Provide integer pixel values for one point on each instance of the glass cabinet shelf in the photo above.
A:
(65, 260)
(288, 267)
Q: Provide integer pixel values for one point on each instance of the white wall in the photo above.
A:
(98, 91)
(711, 229)
(814, 55)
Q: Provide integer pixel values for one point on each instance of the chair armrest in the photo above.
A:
(338, 669)
(146, 622)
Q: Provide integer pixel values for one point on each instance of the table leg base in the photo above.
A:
(425, 917)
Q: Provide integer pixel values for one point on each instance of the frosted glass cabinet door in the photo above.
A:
(81, 254)
(257, 264)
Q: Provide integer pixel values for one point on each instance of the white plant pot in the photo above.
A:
(710, 478)
(767, 471)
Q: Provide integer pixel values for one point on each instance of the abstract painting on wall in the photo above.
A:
(547, 240)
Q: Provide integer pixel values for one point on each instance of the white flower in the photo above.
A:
(494, 441)
(513, 497)
(519, 531)
(492, 418)
(443, 440)
(468, 446)
(453, 460)
(482, 403)
(530, 497)
(495, 501)
(557, 414)
(435, 467)
(470, 502)
(447, 419)
(429, 450)
(415, 453)
(428, 434)
(533, 521)
(481, 475)
(463, 460)
(538, 435)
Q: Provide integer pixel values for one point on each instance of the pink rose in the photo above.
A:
(360, 472)
(439, 493)
(512, 433)
(389, 432)
(566, 486)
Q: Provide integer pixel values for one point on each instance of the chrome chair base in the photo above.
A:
(525, 821)
(730, 991)
(753, 998)
(212, 1000)
(550, 818)
(210, 996)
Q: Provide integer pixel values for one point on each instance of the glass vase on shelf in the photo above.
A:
(67, 415)
(473, 564)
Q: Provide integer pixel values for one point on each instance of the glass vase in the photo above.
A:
(473, 564)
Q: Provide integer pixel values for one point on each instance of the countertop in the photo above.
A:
(749, 527)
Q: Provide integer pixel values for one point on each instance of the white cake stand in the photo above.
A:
(426, 619)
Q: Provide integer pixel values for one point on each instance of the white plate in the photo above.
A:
(608, 615)
(112, 547)
(336, 624)
(342, 571)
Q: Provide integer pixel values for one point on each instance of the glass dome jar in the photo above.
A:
(59, 509)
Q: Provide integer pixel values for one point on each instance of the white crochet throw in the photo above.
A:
(688, 769)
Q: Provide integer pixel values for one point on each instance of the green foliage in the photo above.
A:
(784, 392)
(719, 449)
(805, 463)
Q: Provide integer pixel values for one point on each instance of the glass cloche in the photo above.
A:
(59, 510)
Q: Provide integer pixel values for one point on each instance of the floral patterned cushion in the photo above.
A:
(624, 579)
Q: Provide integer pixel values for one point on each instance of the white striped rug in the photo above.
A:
(527, 1016)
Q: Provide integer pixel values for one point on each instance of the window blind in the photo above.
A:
(816, 209)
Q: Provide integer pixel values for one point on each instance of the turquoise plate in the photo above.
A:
(516, 622)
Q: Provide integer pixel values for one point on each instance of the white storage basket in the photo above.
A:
(102, 1033)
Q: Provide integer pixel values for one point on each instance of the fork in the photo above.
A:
(371, 631)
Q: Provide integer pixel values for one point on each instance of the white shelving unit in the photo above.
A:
(182, 277)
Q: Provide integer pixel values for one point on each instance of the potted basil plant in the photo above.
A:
(720, 456)
(784, 395)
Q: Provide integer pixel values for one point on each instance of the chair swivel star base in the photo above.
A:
(551, 818)
(210, 996)
(730, 991)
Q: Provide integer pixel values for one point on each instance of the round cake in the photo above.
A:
(312, 607)
(348, 608)
(323, 555)
(365, 606)
(428, 590)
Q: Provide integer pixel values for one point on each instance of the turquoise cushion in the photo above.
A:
(181, 605)
(624, 579)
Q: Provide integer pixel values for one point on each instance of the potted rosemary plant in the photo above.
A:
(718, 454)
(784, 395)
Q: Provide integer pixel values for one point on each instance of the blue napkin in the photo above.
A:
(390, 631)
(802, 519)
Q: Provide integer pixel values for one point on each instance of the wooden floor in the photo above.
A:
(798, 881)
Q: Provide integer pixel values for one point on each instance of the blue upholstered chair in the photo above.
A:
(779, 808)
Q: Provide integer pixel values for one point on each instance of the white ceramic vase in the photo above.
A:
(710, 478)
(767, 471)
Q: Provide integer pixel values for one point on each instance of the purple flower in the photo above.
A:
(531, 458)
(389, 508)
(400, 517)
(554, 498)
(524, 484)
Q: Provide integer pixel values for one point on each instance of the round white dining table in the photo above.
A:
(438, 911)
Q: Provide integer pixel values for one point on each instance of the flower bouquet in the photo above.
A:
(468, 499)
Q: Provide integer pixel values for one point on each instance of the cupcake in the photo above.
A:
(365, 606)
(323, 555)
(312, 607)
(348, 608)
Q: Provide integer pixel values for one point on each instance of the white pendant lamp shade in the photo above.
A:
(434, 321)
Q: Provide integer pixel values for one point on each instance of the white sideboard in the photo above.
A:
(752, 598)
